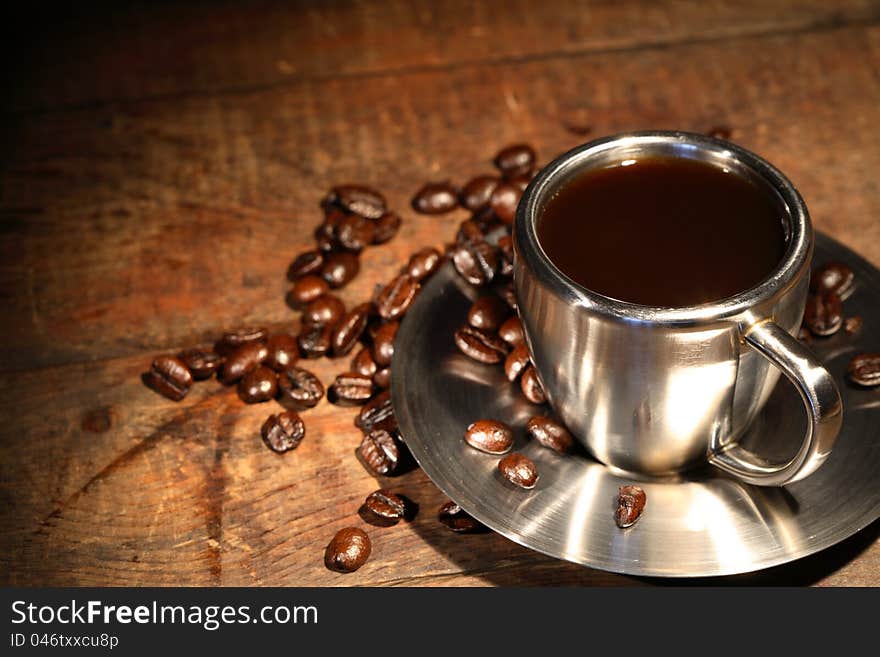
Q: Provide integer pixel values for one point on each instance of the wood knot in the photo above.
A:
(98, 420)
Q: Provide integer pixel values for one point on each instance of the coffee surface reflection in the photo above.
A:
(663, 231)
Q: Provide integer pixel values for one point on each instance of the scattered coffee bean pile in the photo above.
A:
(262, 366)
(830, 285)
(492, 333)
(265, 367)
(492, 328)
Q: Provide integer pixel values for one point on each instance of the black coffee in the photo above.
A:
(663, 231)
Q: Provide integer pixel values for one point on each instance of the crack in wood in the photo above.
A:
(214, 492)
(146, 445)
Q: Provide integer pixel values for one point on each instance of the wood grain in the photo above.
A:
(146, 212)
(114, 52)
(158, 224)
(127, 488)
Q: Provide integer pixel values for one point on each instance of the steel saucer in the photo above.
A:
(697, 524)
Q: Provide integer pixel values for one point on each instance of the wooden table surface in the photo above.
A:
(162, 164)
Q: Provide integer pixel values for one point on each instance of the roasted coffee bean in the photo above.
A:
(488, 312)
(508, 293)
(385, 505)
(377, 414)
(363, 362)
(511, 331)
(326, 310)
(516, 362)
(505, 250)
(396, 297)
(383, 343)
(386, 227)
(480, 345)
(350, 389)
(244, 359)
(307, 262)
(476, 193)
(169, 377)
(340, 268)
(834, 277)
(630, 504)
(515, 160)
(291, 299)
(201, 364)
(435, 198)
(851, 325)
(232, 340)
(469, 231)
(490, 436)
(378, 451)
(355, 233)
(504, 200)
(324, 239)
(299, 389)
(382, 378)
(823, 314)
(306, 289)
(531, 386)
(258, 385)
(283, 351)
(485, 219)
(375, 322)
(864, 369)
(348, 551)
(453, 517)
(325, 233)
(477, 262)
(423, 263)
(519, 470)
(550, 433)
(357, 199)
(350, 328)
(283, 431)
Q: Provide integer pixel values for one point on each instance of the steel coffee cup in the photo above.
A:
(657, 390)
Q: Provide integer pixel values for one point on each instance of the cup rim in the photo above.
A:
(785, 274)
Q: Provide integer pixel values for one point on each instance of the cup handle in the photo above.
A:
(821, 400)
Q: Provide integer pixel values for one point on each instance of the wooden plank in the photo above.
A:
(159, 224)
(131, 230)
(111, 52)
